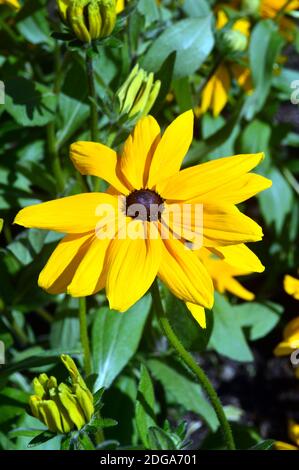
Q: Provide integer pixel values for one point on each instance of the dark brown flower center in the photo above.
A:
(144, 204)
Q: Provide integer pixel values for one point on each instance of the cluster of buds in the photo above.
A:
(138, 94)
(89, 19)
(62, 407)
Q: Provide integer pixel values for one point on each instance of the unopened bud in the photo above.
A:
(251, 7)
(62, 407)
(88, 19)
(139, 93)
(234, 41)
(11, 3)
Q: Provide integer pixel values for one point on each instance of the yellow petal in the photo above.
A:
(138, 152)
(238, 190)
(291, 286)
(240, 256)
(279, 445)
(87, 278)
(206, 177)
(62, 264)
(234, 287)
(91, 158)
(132, 268)
(50, 415)
(73, 214)
(293, 431)
(198, 313)
(285, 348)
(226, 225)
(211, 225)
(222, 85)
(172, 148)
(70, 404)
(292, 328)
(185, 275)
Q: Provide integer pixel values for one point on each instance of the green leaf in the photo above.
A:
(264, 445)
(41, 438)
(259, 318)
(185, 326)
(193, 41)
(115, 339)
(181, 387)
(160, 440)
(227, 337)
(277, 202)
(28, 102)
(265, 45)
(145, 404)
(194, 9)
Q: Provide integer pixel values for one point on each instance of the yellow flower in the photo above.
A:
(216, 92)
(11, 3)
(88, 19)
(223, 264)
(290, 342)
(293, 431)
(111, 244)
(62, 407)
(120, 5)
(139, 93)
(270, 8)
(232, 261)
(291, 286)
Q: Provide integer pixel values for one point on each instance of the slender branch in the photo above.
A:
(84, 335)
(196, 369)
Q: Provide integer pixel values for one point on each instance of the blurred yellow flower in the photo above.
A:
(293, 432)
(290, 339)
(125, 250)
(216, 92)
(62, 407)
(271, 9)
(11, 3)
(291, 286)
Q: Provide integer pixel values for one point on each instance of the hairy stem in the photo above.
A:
(196, 369)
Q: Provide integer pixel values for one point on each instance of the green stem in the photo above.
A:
(189, 361)
(51, 129)
(54, 157)
(84, 335)
(94, 118)
(92, 97)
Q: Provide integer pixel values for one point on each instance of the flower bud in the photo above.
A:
(88, 19)
(251, 7)
(11, 3)
(139, 93)
(62, 407)
(234, 41)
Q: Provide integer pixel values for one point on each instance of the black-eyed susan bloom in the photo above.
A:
(152, 219)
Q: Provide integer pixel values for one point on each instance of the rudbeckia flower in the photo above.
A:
(236, 260)
(11, 3)
(291, 286)
(108, 244)
(216, 92)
